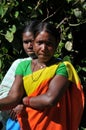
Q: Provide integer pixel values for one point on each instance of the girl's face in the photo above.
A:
(44, 46)
(28, 43)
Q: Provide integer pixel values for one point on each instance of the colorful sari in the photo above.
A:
(66, 114)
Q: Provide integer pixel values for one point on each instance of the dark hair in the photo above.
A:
(29, 26)
(47, 27)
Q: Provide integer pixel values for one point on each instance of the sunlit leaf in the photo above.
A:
(84, 69)
(70, 36)
(78, 13)
(9, 36)
(84, 6)
(13, 29)
(16, 14)
(3, 10)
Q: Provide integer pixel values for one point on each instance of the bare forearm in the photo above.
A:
(14, 96)
(39, 102)
(51, 97)
(8, 103)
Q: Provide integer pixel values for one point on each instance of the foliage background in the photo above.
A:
(68, 15)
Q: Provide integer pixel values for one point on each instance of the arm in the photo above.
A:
(10, 74)
(57, 88)
(14, 96)
(8, 79)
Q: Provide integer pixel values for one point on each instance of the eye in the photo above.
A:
(50, 43)
(27, 41)
(39, 42)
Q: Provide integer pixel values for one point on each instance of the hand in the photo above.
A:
(17, 110)
(26, 101)
(12, 115)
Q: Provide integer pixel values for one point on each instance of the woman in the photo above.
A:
(54, 95)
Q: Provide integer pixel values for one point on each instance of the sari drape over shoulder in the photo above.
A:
(66, 114)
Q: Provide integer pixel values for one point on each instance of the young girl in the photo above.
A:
(6, 84)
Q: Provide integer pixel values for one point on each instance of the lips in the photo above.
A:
(30, 50)
(44, 55)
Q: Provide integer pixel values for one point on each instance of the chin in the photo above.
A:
(30, 53)
(44, 60)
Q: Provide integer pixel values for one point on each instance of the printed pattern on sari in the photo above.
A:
(67, 112)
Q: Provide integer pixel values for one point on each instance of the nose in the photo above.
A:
(44, 47)
(29, 44)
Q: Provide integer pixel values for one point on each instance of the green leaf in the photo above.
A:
(5, 50)
(3, 10)
(29, 7)
(70, 36)
(78, 13)
(16, 14)
(84, 6)
(84, 69)
(82, 128)
(1, 76)
(40, 11)
(9, 36)
(68, 1)
(0, 63)
(34, 16)
(67, 58)
(78, 68)
(13, 29)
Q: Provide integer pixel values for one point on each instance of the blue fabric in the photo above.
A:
(12, 124)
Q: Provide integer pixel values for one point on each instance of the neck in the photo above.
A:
(41, 64)
(33, 56)
(48, 63)
(37, 65)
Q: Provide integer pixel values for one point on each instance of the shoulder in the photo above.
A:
(25, 62)
(65, 68)
(16, 62)
(28, 58)
(62, 69)
(69, 66)
(23, 67)
(67, 63)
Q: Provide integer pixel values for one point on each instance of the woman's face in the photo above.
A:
(28, 43)
(44, 46)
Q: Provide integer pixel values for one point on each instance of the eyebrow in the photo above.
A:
(27, 41)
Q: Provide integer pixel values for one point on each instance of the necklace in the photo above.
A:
(42, 66)
(35, 77)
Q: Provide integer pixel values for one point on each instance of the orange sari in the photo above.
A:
(66, 114)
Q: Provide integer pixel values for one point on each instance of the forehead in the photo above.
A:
(28, 34)
(45, 36)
